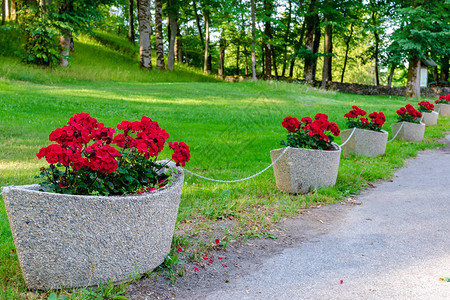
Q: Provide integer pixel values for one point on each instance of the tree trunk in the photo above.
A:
(13, 14)
(159, 36)
(172, 27)
(64, 43)
(445, 68)
(317, 36)
(274, 57)
(327, 59)
(347, 47)
(377, 43)
(206, 68)
(391, 75)
(4, 11)
(145, 60)
(253, 41)
(245, 61)
(222, 45)
(197, 21)
(263, 61)
(131, 21)
(300, 41)
(310, 20)
(286, 38)
(267, 33)
(377, 78)
(237, 59)
(413, 84)
(178, 46)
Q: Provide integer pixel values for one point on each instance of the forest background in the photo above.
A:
(368, 42)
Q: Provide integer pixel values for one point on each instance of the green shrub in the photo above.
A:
(11, 40)
(41, 42)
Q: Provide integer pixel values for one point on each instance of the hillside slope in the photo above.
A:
(97, 57)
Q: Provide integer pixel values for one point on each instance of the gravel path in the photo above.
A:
(396, 245)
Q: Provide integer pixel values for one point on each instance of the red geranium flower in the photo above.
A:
(291, 124)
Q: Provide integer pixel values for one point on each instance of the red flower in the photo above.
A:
(321, 116)
(181, 154)
(355, 113)
(426, 106)
(124, 125)
(180, 250)
(291, 124)
(217, 241)
(306, 120)
(364, 121)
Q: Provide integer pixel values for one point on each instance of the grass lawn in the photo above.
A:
(230, 128)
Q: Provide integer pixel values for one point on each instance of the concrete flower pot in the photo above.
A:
(72, 241)
(444, 109)
(299, 170)
(364, 142)
(409, 132)
(430, 118)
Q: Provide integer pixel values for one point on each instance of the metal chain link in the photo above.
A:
(243, 179)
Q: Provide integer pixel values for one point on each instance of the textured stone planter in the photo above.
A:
(364, 142)
(444, 109)
(430, 118)
(71, 241)
(410, 131)
(300, 170)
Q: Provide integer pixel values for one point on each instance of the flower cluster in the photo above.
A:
(425, 106)
(306, 133)
(181, 154)
(72, 148)
(409, 114)
(88, 159)
(443, 99)
(355, 119)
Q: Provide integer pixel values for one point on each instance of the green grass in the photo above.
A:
(230, 128)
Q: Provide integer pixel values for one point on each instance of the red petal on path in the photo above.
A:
(195, 269)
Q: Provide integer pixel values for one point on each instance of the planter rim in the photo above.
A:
(421, 123)
(34, 188)
(382, 130)
(431, 112)
(315, 150)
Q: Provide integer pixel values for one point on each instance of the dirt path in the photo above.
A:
(391, 242)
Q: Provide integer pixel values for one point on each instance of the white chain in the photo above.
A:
(243, 179)
(396, 133)
(354, 129)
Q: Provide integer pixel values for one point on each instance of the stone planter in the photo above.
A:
(430, 118)
(410, 131)
(299, 170)
(444, 109)
(364, 142)
(72, 241)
